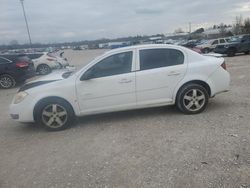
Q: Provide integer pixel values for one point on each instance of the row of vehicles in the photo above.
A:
(227, 46)
(16, 68)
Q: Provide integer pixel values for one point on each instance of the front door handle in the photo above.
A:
(174, 73)
(125, 81)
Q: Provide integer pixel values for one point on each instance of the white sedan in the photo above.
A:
(123, 79)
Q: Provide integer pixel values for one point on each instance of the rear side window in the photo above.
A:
(246, 38)
(156, 58)
(34, 56)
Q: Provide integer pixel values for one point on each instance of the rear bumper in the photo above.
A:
(219, 81)
(24, 75)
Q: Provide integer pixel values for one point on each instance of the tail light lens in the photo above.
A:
(50, 59)
(224, 66)
(50, 55)
(22, 64)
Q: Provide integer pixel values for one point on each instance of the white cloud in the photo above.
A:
(64, 20)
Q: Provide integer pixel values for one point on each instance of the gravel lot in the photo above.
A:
(157, 147)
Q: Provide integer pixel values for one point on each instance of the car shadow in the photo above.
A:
(116, 117)
(119, 117)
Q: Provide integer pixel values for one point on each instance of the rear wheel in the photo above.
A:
(192, 99)
(7, 81)
(247, 52)
(54, 114)
(43, 69)
(206, 50)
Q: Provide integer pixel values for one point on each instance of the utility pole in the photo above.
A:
(27, 26)
(190, 27)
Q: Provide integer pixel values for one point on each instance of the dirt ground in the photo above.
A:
(157, 147)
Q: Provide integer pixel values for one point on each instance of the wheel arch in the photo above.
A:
(199, 82)
(36, 107)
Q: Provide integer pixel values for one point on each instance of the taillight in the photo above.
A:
(22, 64)
(50, 55)
(223, 65)
(50, 59)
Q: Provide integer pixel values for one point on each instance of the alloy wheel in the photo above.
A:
(6, 82)
(194, 100)
(54, 115)
(44, 69)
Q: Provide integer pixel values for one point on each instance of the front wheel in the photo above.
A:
(55, 114)
(231, 52)
(192, 99)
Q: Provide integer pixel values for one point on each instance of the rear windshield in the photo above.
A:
(34, 56)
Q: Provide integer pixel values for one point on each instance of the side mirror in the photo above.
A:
(87, 75)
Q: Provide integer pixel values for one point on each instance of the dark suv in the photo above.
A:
(237, 44)
(14, 69)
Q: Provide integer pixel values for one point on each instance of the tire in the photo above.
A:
(192, 99)
(206, 50)
(54, 114)
(7, 81)
(246, 52)
(43, 69)
(231, 52)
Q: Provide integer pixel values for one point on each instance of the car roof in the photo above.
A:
(143, 46)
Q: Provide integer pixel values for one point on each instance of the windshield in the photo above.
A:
(67, 74)
(235, 39)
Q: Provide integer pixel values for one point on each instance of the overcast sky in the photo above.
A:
(73, 20)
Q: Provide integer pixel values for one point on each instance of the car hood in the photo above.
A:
(55, 76)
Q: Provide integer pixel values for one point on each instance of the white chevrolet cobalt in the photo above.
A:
(122, 79)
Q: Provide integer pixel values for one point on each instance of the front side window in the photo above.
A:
(156, 58)
(113, 65)
(222, 41)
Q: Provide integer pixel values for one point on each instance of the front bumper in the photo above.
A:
(23, 111)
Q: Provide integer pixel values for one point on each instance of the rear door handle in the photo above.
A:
(125, 81)
(174, 73)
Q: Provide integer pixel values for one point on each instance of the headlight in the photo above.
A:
(20, 97)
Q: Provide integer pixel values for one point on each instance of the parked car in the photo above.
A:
(126, 78)
(77, 48)
(237, 44)
(45, 62)
(210, 45)
(190, 44)
(14, 69)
